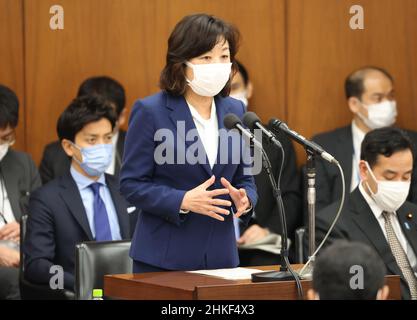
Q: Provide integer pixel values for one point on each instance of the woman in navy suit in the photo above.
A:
(178, 168)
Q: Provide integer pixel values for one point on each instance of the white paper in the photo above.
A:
(230, 274)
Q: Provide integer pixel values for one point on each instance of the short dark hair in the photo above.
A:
(82, 111)
(106, 87)
(191, 37)
(354, 83)
(243, 71)
(332, 272)
(384, 141)
(9, 108)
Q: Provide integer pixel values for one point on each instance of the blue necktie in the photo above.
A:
(101, 219)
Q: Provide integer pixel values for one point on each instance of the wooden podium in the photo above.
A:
(178, 285)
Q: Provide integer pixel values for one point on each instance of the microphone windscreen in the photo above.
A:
(250, 119)
(274, 123)
(231, 120)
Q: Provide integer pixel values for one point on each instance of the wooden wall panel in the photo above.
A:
(298, 53)
(322, 50)
(11, 58)
(126, 39)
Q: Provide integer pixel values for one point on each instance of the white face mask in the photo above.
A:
(380, 115)
(209, 79)
(242, 96)
(3, 150)
(391, 194)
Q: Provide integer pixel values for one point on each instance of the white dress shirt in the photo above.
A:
(358, 135)
(396, 226)
(5, 207)
(208, 130)
(112, 167)
(87, 197)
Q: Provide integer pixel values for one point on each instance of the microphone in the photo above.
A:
(252, 121)
(232, 121)
(310, 145)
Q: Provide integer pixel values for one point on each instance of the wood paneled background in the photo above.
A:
(11, 59)
(298, 53)
(322, 50)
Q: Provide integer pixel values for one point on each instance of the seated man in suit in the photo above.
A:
(55, 161)
(266, 220)
(333, 273)
(376, 212)
(82, 205)
(18, 178)
(370, 97)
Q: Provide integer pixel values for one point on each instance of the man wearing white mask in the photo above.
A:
(18, 178)
(376, 212)
(241, 87)
(370, 97)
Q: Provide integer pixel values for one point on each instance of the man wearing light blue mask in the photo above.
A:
(55, 161)
(84, 204)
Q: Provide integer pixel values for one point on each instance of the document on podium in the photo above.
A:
(229, 274)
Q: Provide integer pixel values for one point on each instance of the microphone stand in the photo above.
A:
(311, 202)
(283, 274)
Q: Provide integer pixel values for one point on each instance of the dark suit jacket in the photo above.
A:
(266, 211)
(358, 223)
(56, 163)
(21, 178)
(163, 238)
(57, 222)
(339, 143)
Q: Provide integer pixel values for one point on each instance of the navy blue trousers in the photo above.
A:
(141, 267)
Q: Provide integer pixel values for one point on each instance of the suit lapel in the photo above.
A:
(221, 110)
(71, 195)
(344, 154)
(119, 152)
(368, 224)
(12, 185)
(408, 222)
(119, 205)
(181, 113)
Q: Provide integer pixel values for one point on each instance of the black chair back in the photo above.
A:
(94, 260)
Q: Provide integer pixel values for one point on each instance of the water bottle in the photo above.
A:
(98, 294)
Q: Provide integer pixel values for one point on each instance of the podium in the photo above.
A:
(179, 285)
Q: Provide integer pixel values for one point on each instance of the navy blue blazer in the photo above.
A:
(57, 222)
(163, 237)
